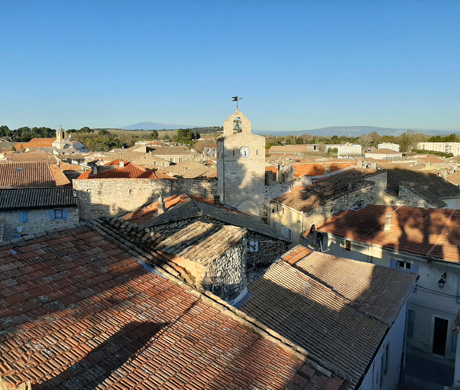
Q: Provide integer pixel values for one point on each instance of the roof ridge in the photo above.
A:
(348, 301)
(216, 302)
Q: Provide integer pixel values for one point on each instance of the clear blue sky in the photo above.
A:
(297, 64)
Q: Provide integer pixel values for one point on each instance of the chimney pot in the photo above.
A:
(161, 204)
(388, 220)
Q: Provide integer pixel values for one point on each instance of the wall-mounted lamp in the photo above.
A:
(442, 281)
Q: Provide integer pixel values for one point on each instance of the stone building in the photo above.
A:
(84, 308)
(26, 211)
(422, 241)
(169, 216)
(340, 310)
(241, 166)
(304, 206)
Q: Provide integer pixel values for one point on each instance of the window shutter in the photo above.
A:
(64, 214)
(52, 215)
(393, 264)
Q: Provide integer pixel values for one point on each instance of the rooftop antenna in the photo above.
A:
(236, 99)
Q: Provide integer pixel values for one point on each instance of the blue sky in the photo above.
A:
(297, 64)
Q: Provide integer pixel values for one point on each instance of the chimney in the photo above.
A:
(95, 170)
(388, 218)
(161, 205)
(122, 164)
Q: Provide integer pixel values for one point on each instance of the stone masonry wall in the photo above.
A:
(38, 221)
(411, 199)
(226, 276)
(113, 197)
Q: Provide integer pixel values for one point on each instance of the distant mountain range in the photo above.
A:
(156, 126)
(348, 131)
(354, 131)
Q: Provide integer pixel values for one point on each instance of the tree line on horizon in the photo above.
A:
(107, 139)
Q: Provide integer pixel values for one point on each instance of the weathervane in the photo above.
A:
(236, 99)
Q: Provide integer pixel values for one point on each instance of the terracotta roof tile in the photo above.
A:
(326, 189)
(337, 320)
(26, 174)
(318, 169)
(129, 171)
(424, 232)
(37, 143)
(186, 206)
(79, 312)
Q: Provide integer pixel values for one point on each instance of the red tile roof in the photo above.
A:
(337, 309)
(295, 254)
(318, 169)
(79, 312)
(326, 189)
(431, 233)
(36, 143)
(26, 174)
(129, 171)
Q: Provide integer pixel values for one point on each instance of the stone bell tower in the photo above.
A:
(241, 165)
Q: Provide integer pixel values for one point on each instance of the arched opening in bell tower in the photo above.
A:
(237, 125)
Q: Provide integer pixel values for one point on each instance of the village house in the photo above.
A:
(170, 216)
(295, 150)
(34, 197)
(423, 241)
(304, 206)
(342, 312)
(383, 154)
(80, 311)
(349, 151)
(389, 145)
(58, 145)
(425, 184)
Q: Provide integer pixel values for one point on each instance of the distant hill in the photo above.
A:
(156, 126)
(354, 131)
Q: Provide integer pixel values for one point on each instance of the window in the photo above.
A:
(58, 214)
(404, 266)
(347, 245)
(253, 246)
(171, 159)
(23, 216)
(384, 360)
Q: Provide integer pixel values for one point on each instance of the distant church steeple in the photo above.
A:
(60, 134)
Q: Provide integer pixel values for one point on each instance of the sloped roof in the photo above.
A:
(339, 310)
(26, 174)
(35, 198)
(385, 151)
(424, 193)
(185, 206)
(201, 242)
(327, 189)
(171, 150)
(454, 178)
(304, 148)
(129, 171)
(36, 143)
(79, 312)
(435, 184)
(318, 169)
(425, 232)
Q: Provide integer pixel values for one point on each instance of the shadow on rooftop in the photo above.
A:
(98, 364)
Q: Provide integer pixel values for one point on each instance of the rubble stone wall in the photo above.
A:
(113, 197)
(226, 276)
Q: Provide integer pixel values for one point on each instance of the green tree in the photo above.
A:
(154, 134)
